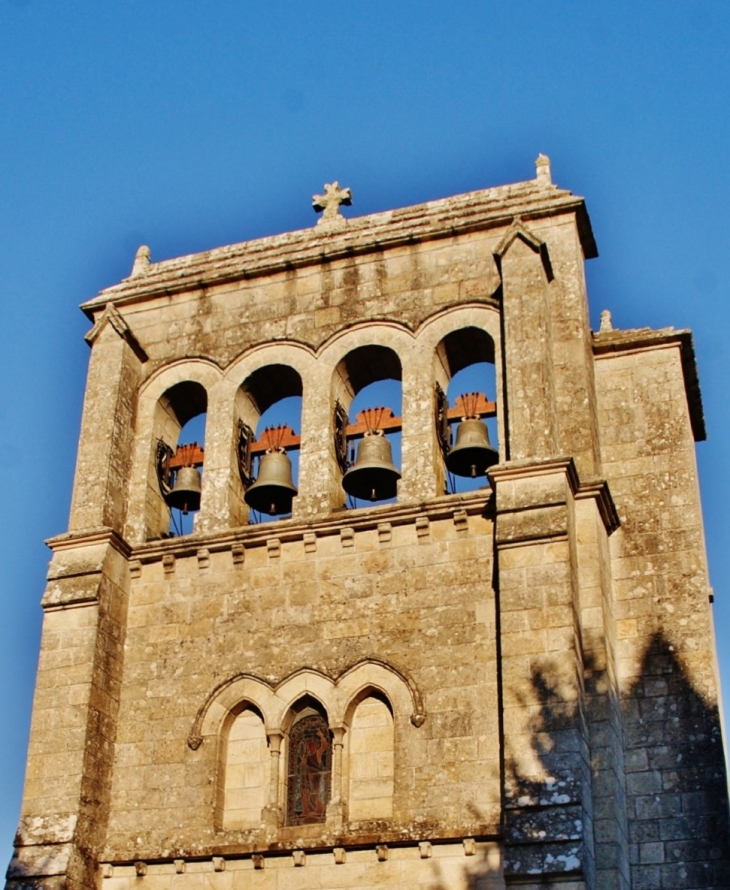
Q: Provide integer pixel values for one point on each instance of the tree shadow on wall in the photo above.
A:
(543, 810)
(676, 792)
(672, 802)
(676, 778)
(665, 738)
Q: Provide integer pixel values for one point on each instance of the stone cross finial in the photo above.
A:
(330, 201)
(542, 169)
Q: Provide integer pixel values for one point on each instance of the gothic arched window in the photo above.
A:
(309, 770)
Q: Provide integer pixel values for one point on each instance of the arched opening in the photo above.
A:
(244, 773)
(371, 761)
(368, 403)
(179, 441)
(269, 410)
(467, 384)
(308, 763)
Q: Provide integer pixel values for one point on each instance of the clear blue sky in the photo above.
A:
(186, 125)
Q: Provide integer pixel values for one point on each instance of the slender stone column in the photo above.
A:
(273, 814)
(336, 809)
(422, 466)
(319, 476)
(222, 504)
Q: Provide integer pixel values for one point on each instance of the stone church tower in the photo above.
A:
(509, 680)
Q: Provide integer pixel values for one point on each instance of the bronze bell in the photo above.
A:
(373, 477)
(472, 454)
(185, 494)
(273, 490)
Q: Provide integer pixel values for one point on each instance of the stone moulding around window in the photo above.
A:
(337, 694)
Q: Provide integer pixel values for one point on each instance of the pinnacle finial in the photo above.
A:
(330, 202)
(542, 170)
(606, 323)
(141, 261)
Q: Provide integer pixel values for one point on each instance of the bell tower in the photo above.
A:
(443, 620)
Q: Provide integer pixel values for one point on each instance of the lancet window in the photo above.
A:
(309, 770)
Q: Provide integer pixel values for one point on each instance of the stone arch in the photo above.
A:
(260, 378)
(280, 352)
(278, 707)
(199, 370)
(335, 696)
(455, 339)
(376, 701)
(243, 775)
(167, 400)
(297, 686)
(223, 701)
(262, 389)
(374, 675)
(384, 334)
(478, 315)
(356, 358)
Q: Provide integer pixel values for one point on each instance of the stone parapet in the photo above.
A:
(445, 218)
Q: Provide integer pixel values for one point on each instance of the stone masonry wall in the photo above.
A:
(418, 597)
(675, 770)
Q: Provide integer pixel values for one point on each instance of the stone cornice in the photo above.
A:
(473, 211)
(581, 489)
(606, 343)
(531, 467)
(364, 519)
(89, 538)
(599, 490)
(314, 842)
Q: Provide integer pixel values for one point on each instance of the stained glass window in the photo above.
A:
(309, 773)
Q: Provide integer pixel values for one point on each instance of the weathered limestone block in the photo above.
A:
(67, 786)
(529, 374)
(547, 778)
(103, 467)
